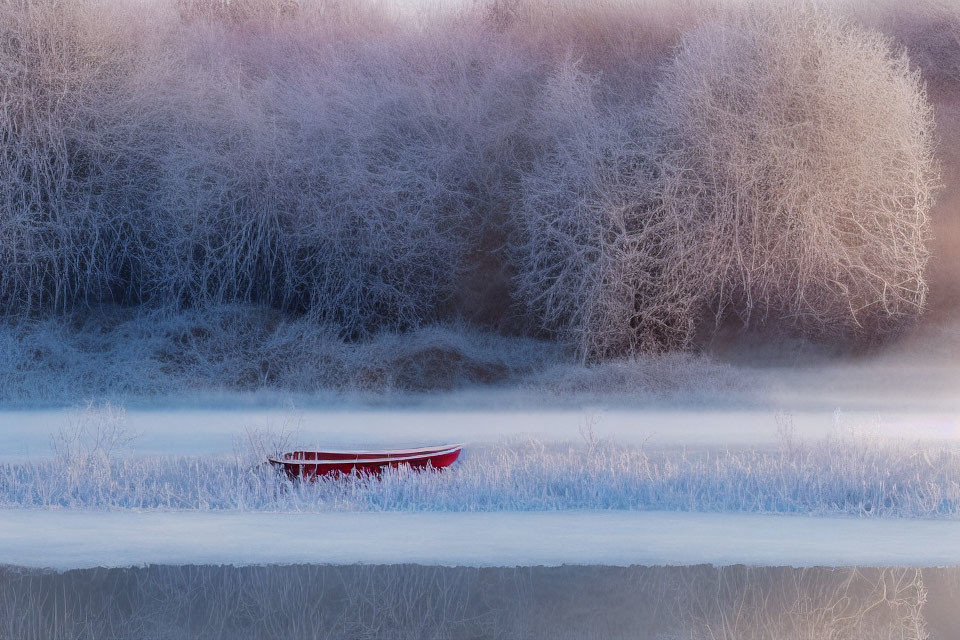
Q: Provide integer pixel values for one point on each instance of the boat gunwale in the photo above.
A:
(365, 461)
(388, 451)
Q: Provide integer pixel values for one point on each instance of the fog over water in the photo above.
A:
(27, 434)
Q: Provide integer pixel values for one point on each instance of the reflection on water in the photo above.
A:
(412, 601)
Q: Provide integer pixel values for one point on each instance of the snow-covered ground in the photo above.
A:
(77, 539)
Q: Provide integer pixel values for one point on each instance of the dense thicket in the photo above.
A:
(797, 155)
(617, 175)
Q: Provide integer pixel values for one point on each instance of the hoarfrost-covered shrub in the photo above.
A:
(190, 160)
(333, 182)
(796, 153)
(782, 173)
(374, 169)
(50, 250)
(590, 247)
(321, 189)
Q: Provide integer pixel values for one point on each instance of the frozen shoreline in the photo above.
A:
(65, 540)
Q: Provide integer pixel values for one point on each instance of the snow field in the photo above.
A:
(65, 540)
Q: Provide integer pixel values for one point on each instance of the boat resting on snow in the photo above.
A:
(306, 465)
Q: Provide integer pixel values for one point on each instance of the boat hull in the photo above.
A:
(308, 465)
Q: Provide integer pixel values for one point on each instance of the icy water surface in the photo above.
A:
(412, 601)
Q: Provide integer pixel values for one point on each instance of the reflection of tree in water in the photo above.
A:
(413, 601)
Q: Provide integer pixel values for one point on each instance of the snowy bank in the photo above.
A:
(81, 539)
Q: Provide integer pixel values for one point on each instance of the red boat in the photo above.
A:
(310, 464)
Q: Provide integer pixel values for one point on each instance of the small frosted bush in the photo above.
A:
(590, 251)
(797, 155)
(330, 182)
(49, 253)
